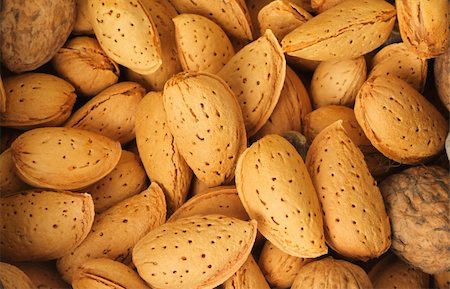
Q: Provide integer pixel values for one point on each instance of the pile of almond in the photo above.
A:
(235, 144)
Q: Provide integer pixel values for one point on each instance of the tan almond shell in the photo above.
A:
(9, 181)
(231, 15)
(127, 34)
(84, 64)
(2, 96)
(323, 5)
(424, 26)
(204, 251)
(220, 200)
(43, 274)
(202, 45)
(276, 190)
(256, 75)
(127, 179)
(291, 108)
(442, 77)
(398, 60)
(162, 13)
(117, 230)
(78, 157)
(345, 31)
(399, 121)
(159, 154)
(37, 99)
(206, 122)
(338, 82)
(105, 273)
(111, 113)
(278, 267)
(282, 16)
(82, 20)
(331, 273)
(249, 276)
(391, 272)
(355, 219)
(44, 225)
(12, 277)
(442, 280)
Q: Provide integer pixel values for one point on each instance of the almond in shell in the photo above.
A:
(9, 181)
(43, 274)
(12, 277)
(249, 276)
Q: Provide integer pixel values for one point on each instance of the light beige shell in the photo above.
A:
(279, 268)
(127, 34)
(345, 31)
(338, 82)
(249, 276)
(44, 225)
(276, 190)
(442, 77)
(37, 99)
(323, 5)
(424, 26)
(84, 64)
(399, 121)
(9, 181)
(206, 122)
(159, 153)
(202, 45)
(116, 231)
(231, 15)
(82, 20)
(105, 273)
(256, 75)
(2, 96)
(203, 251)
(43, 274)
(442, 280)
(355, 219)
(12, 277)
(111, 113)
(128, 178)
(78, 158)
(331, 274)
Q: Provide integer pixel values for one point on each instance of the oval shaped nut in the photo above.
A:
(424, 26)
(338, 82)
(247, 277)
(203, 250)
(12, 277)
(278, 267)
(117, 230)
(128, 178)
(397, 60)
(355, 219)
(159, 153)
(256, 75)
(33, 31)
(82, 20)
(323, 5)
(231, 15)
(220, 200)
(282, 16)
(345, 31)
(37, 99)
(202, 45)
(399, 121)
(111, 113)
(43, 274)
(127, 34)
(105, 273)
(276, 190)
(44, 225)
(331, 273)
(84, 64)
(9, 181)
(78, 157)
(442, 280)
(206, 122)
(442, 77)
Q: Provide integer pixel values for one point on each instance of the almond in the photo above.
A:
(206, 122)
(442, 77)
(249, 276)
(276, 190)
(201, 43)
(399, 121)
(256, 75)
(338, 82)
(203, 251)
(43, 274)
(442, 280)
(9, 181)
(338, 34)
(78, 158)
(116, 231)
(37, 99)
(12, 277)
(128, 178)
(82, 20)
(127, 34)
(355, 219)
(44, 225)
